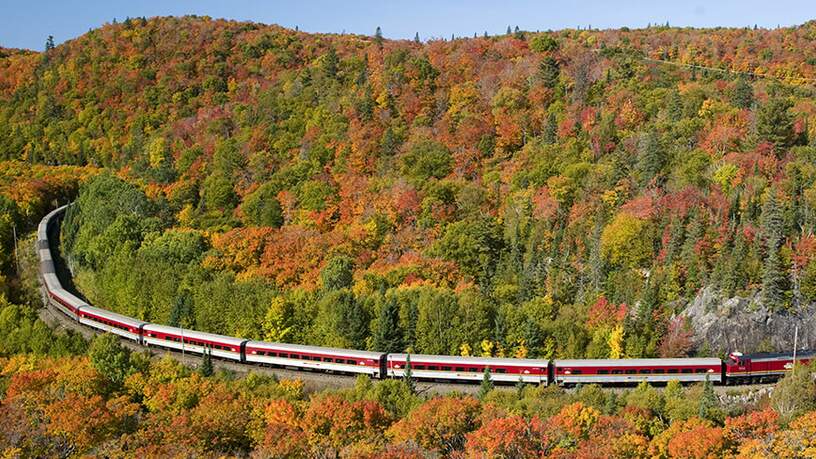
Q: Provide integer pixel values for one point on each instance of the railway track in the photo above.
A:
(322, 368)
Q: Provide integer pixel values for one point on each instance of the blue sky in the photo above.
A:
(26, 24)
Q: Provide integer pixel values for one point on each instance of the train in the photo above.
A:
(736, 369)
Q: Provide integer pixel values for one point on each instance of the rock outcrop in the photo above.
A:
(744, 324)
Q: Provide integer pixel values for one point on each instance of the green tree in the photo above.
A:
(218, 192)
(262, 208)
(388, 335)
(773, 275)
(49, 43)
(474, 244)
(338, 273)
(206, 368)
(408, 376)
(742, 94)
(774, 123)
(795, 394)
(378, 37)
(651, 158)
(487, 384)
(708, 401)
(110, 358)
(425, 159)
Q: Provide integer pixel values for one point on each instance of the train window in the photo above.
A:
(473, 370)
(700, 370)
(672, 370)
(433, 367)
(617, 372)
(420, 367)
(285, 356)
(603, 372)
(460, 369)
(630, 371)
(685, 370)
(645, 371)
(501, 370)
(351, 362)
(446, 368)
(658, 371)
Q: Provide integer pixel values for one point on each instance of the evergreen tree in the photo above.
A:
(416, 38)
(742, 95)
(549, 70)
(485, 34)
(774, 123)
(206, 368)
(651, 157)
(708, 401)
(388, 335)
(487, 384)
(509, 31)
(408, 376)
(49, 43)
(378, 37)
(550, 130)
(773, 276)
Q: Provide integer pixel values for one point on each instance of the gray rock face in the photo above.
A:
(745, 325)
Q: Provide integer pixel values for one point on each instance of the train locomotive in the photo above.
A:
(737, 369)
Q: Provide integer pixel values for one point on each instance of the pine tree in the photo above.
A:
(378, 37)
(388, 335)
(651, 158)
(206, 368)
(773, 277)
(416, 38)
(742, 96)
(408, 376)
(774, 123)
(487, 384)
(509, 31)
(485, 34)
(49, 43)
(708, 401)
(550, 130)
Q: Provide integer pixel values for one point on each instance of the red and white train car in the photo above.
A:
(316, 358)
(225, 347)
(64, 300)
(617, 371)
(458, 368)
(741, 368)
(111, 322)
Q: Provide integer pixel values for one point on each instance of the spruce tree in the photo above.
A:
(773, 276)
(708, 401)
(378, 37)
(388, 335)
(487, 384)
(742, 95)
(408, 376)
(206, 368)
(416, 38)
(509, 31)
(49, 43)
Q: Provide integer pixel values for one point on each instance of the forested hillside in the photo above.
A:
(533, 194)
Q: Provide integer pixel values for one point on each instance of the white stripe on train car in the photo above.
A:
(330, 366)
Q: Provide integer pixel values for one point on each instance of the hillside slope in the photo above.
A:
(560, 193)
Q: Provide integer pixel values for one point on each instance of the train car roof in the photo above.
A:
(189, 333)
(635, 362)
(72, 299)
(105, 314)
(52, 281)
(316, 349)
(462, 359)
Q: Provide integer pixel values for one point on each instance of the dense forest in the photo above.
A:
(533, 194)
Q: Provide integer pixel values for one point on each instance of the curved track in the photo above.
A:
(322, 367)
